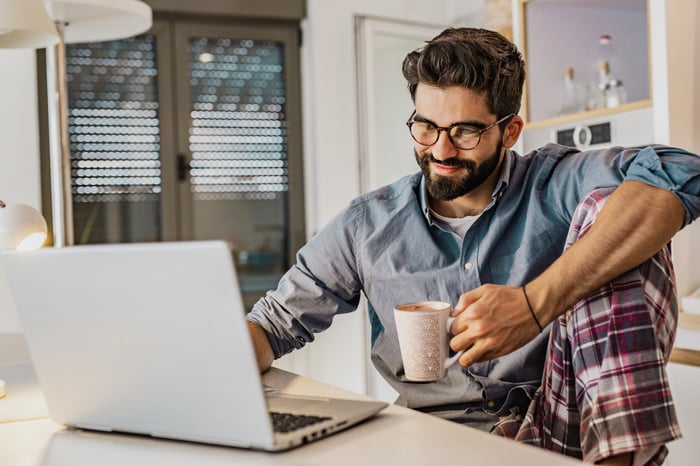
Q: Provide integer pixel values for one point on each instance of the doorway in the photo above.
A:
(384, 105)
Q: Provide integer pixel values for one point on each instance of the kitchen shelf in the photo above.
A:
(685, 356)
(682, 355)
(575, 117)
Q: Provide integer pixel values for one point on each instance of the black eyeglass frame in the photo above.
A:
(448, 129)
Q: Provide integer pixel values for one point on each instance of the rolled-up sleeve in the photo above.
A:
(673, 169)
(571, 175)
(324, 282)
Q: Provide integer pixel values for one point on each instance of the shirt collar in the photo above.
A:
(501, 185)
(422, 190)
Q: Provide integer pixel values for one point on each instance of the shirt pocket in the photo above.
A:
(530, 258)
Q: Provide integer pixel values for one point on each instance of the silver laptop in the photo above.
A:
(152, 339)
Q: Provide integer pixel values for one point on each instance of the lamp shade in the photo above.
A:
(22, 227)
(100, 20)
(25, 24)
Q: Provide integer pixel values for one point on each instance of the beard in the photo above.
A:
(447, 188)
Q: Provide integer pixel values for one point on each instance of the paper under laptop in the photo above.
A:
(151, 339)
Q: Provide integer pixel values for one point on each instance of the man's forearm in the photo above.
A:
(263, 350)
(636, 221)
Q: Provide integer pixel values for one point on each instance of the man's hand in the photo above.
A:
(263, 350)
(491, 321)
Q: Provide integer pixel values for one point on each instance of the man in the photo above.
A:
(487, 229)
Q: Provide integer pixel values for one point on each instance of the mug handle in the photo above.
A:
(453, 359)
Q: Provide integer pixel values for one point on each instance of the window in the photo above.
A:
(191, 132)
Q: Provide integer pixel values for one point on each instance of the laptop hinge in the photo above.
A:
(91, 427)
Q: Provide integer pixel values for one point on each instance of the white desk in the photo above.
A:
(396, 436)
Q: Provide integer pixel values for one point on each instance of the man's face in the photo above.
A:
(451, 172)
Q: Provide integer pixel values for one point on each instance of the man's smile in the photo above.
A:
(441, 169)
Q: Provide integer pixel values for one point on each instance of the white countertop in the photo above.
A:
(396, 436)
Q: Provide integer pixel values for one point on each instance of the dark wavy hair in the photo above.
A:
(479, 59)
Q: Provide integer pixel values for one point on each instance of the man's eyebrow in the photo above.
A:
(474, 123)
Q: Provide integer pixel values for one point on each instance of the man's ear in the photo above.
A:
(512, 131)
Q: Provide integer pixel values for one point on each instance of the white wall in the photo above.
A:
(466, 13)
(19, 149)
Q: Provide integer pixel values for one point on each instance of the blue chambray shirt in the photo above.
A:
(385, 245)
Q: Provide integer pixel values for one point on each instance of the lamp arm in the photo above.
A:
(59, 144)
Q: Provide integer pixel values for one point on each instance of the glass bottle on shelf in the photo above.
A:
(610, 91)
(604, 76)
(603, 87)
(615, 94)
(606, 55)
(573, 101)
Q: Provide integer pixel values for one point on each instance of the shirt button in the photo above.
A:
(468, 266)
(491, 404)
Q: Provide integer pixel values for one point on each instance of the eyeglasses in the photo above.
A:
(465, 137)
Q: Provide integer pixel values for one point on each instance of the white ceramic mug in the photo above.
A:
(423, 330)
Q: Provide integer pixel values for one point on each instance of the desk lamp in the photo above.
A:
(78, 21)
(21, 228)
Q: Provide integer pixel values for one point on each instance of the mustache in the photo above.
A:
(453, 162)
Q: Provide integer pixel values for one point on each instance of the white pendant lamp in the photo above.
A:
(99, 20)
(25, 24)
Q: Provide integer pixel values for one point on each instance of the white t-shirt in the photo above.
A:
(458, 226)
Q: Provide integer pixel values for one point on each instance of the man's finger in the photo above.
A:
(472, 355)
(465, 300)
(461, 341)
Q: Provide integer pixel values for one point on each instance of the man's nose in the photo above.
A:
(443, 148)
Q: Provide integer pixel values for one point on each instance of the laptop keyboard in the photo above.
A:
(287, 422)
